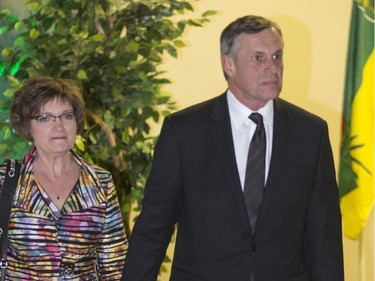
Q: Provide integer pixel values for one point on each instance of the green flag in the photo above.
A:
(356, 172)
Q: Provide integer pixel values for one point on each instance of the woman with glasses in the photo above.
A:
(65, 221)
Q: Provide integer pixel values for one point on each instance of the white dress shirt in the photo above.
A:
(243, 129)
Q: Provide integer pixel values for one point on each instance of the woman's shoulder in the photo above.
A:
(100, 172)
(84, 164)
(95, 173)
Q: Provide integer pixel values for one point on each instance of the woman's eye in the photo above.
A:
(68, 116)
(44, 118)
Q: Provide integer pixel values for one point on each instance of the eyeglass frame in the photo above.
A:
(36, 117)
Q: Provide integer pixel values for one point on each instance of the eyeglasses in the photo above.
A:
(47, 118)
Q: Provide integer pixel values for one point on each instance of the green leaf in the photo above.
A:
(121, 69)
(20, 41)
(172, 51)
(79, 143)
(6, 51)
(7, 132)
(81, 75)
(13, 81)
(19, 25)
(74, 29)
(179, 43)
(34, 33)
(3, 29)
(209, 13)
(100, 50)
(196, 22)
(98, 37)
(62, 42)
(14, 69)
(126, 207)
(132, 47)
(33, 6)
(9, 92)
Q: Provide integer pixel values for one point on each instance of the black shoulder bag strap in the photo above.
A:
(6, 198)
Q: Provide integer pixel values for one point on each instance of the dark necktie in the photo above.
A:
(255, 170)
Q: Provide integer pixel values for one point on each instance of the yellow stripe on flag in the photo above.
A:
(358, 203)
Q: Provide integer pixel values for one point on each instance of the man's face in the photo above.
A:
(255, 69)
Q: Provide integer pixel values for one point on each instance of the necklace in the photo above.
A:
(49, 185)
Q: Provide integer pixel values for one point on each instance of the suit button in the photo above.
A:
(253, 248)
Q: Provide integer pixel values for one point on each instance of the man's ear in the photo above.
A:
(227, 64)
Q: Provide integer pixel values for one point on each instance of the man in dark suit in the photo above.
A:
(201, 172)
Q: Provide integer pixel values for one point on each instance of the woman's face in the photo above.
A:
(51, 135)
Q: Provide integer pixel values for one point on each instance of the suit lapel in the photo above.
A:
(223, 141)
(279, 150)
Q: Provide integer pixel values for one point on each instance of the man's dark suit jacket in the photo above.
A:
(194, 182)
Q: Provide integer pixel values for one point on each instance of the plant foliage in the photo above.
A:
(113, 50)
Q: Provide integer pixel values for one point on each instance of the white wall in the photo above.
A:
(316, 39)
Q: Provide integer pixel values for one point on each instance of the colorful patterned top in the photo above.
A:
(85, 240)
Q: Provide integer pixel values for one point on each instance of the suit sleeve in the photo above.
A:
(160, 209)
(323, 235)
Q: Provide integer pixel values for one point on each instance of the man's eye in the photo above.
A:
(277, 56)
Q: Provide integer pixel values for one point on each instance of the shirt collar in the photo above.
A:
(240, 113)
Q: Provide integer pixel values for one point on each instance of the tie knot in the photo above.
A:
(256, 118)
